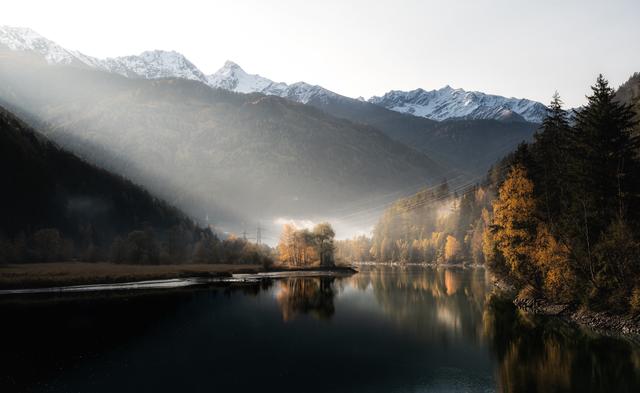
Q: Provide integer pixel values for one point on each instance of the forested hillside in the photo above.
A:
(56, 207)
(566, 221)
(559, 217)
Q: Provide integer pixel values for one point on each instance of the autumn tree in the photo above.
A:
(286, 244)
(515, 224)
(451, 249)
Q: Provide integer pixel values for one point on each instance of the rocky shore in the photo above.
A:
(601, 322)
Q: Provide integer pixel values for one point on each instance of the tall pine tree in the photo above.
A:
(551, 152)
(606, 150)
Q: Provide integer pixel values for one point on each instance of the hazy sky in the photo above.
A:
(521, 48)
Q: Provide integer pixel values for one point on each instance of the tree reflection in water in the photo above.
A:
(537, 354)
(532, 353)
(434, 303)
(306, 296)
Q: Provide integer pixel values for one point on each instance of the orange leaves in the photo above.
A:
(552, 259)
(451, 249)
(516, 223)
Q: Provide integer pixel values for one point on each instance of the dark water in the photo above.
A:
(386, 329)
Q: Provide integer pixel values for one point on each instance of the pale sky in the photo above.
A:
(521, 48)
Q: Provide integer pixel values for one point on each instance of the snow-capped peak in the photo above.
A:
(450, 103)
(442, 104)
(232, 77)
(154, 64)
(149, 65)
(25, 39)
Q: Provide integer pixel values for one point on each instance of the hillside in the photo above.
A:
(464, 140)
(51, 188)
(471, 146)
(239, 158)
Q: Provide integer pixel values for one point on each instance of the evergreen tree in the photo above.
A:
(606, 151)
(551, 149)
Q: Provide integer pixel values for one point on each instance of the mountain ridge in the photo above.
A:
(443, 104)
(448, 103)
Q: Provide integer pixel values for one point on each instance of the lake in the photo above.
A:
(385, 329)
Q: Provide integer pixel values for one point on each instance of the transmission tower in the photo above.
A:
(259, 234)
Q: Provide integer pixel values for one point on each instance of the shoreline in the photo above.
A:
(91, 277)
(602, 322)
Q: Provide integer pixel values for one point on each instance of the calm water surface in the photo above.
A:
(385, 329)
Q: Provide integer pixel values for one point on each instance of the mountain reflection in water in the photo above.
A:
(385, 329)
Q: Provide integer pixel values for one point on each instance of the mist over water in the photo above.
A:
(385, 329)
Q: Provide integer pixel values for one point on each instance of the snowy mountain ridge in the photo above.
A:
(154, 64)
(449, 103)
(233, 78)
(149, 65)
(25, 39)
(445, 103)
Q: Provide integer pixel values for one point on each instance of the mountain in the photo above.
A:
(236, 157)
(25, 39)
(449, 103)
(233, 78)
(446, 103)
(153, 65)
(148, 65)
(469, 145)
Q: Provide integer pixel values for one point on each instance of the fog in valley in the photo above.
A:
(232, 161)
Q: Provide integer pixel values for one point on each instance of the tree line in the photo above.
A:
(177, 245)
(435, 225)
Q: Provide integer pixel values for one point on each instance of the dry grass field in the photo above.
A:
(40, 275)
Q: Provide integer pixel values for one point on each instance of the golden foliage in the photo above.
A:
(451, 249)
(552, 258)
(301, 247)
(515, 222)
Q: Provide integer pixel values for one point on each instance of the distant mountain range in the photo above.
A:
(471, 140)
(235, 157)
(241, 147)
(443, 104)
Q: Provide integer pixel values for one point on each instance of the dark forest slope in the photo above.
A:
(49, 187)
